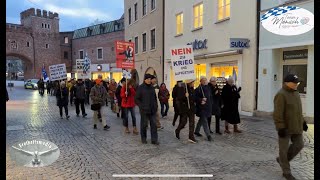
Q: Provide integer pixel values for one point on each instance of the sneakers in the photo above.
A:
(106, 127)
(289, 177)
(95, 126)
(84, 115)
(155, 143)
(198, 134)
(177, 134)
(192, 140)
(127, 130)
(210, 138)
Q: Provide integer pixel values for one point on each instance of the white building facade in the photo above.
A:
(208, 25)
(278, 57)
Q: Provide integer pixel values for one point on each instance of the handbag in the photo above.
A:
(95, 107)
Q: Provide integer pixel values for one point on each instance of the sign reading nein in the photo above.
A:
(182, 59)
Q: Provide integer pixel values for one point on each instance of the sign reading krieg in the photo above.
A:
(182, 60)
(124, 54)
(58, 72)
(81, 73)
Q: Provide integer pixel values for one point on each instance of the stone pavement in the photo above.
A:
(86, 153)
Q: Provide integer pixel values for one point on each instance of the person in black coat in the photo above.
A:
(175, 106)
(187, 111)
(62, 99)
(146, 99)
(203, 107)
(79, 93)
(230, 111)
(216, 104)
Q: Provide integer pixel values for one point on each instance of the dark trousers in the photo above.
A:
(145, 118)
(71, 99)
(164, 113)
(65, 110)
(203, 122)
(126, 116)
(175, 117)
(79, 102)
(183, 121)
(87, 101)
(217, 123)
(48, 90)
(41, 91)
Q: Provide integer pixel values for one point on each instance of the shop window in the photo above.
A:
(200, 70)
(223, 9)
(198, 16)
(301, 72)
(179, 23)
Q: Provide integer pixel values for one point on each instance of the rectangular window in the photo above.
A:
(144, 7)
(81, 54)
(99, 53)
(48, 26)
(223, 9)
(129, 13)
(66, 40)
(136, 44)
(144, 42)
(198, 16)
(42, 25)
(47, 46)
(65, 54)
(153, 38)
(28, 44)
(179, 23)
(301, 72)
(135, 11)
(153, 4)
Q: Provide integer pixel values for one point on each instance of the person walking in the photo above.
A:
(230, 111)
(146, 100)
(98, 95)
(216, 104)
(112, 90)
(175, 106)
(187, 109)
(156, 88)
(79, 92)
(119, 98)
(71, 90)
(48, 87)
(41, 86)
(88, 86)
(204, 107)
(127, 97)
(289, 123)
(62, 96)
(164, 96)
(106, 85)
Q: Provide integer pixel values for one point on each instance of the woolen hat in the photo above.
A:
(148, 76)
(122, 80)
(292, 78)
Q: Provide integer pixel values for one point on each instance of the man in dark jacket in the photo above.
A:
(187, 110)
(63, 99)
(48, 87)
(289, 123)
(41, 86)
(146, 99)
(204, 107)
(175, 106)
(216, 104)
(79, 92)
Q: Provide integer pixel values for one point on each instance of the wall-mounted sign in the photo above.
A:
(239, 43)
(199, 44)
(296, 54)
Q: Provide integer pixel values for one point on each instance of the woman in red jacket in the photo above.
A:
(127, 105)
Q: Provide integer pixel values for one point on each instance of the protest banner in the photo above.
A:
(83, 69)
(182, 61)
(124, 54)
(58, 72)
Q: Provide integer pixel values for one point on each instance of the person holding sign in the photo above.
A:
(204, 107)
(63, 99)
(146, 99)
(187, 109)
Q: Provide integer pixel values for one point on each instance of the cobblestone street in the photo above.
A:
(86, 153)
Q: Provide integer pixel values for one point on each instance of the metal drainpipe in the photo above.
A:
(257, 53)
(163, 34)
(34, 56)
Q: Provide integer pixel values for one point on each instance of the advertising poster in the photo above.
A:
(124, 54)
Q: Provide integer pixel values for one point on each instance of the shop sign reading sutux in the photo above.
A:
(182, 60)
(288, 20)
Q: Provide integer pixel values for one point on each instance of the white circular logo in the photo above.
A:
(288, 20)
(34, 153)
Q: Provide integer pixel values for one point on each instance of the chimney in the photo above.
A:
(56, 15)
(50, 15)
(44, 13)
(38, 12)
